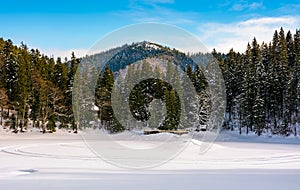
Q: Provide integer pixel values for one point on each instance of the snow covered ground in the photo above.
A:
(63, 161)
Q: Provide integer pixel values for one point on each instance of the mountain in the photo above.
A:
(128, 54)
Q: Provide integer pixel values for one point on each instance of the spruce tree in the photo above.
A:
(259, 114)
(10, 69)
(3, 103)
(103, 96)
(283, 71)
(22, 88)
(68, 94)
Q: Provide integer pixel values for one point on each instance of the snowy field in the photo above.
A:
(63, 161)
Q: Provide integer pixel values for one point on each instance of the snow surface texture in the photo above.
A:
(63, 161)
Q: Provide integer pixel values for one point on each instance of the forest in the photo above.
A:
(262, 85)
(262, 88)
(36, 88)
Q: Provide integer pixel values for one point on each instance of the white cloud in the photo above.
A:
(63, 53)
(245, 5)
(141, 3)
(158, 1)
(236, 35)
(159, 14)
(290, 9)
(155, 11)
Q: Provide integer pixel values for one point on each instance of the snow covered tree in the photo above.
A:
(259, 114)
(3, 103)
(230, 83)
(258, 109)
(172, 118)
(23, 85)
(10, 68)
(103, 96)
(68, 111)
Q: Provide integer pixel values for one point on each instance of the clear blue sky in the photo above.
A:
(57, 27)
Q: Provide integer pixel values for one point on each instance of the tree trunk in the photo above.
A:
(240, 126)
(229, 121)
(1, 119)
(275, 120)
(296, 122)
(26, 119)
(17, 123)
(43, 126)
(23, 118)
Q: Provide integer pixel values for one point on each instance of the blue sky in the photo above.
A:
(58, 27)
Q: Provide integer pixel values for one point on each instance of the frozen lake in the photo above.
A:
(63, 161)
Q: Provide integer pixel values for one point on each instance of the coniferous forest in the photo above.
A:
(262, 88)
(36, 88)
(262, 85)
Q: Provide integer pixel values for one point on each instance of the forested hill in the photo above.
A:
(36, 90)
(142, 50)
(262, 84)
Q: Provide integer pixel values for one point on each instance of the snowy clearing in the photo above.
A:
(63, 161)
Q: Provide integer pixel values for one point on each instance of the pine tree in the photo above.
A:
(200, 82)
(51, 70)
(35, 96)
(290, 49)
(189, 97)
(10, 68)
(259, 114)
(291, 98)
(190, 74)
(68, 94)
(296, 70)
(249, 90)
(3, 103)
(283, 72)
(103, 95)
(22, 88)
(260, 77)
(61, 75)
(230, 81)
(167, 123)
(274, 79)
(137, 104)
(266, 62)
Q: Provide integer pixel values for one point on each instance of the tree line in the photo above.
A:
(36, 88)
(153, 101)
(262, 85)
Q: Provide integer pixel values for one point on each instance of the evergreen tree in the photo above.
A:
(103, 96)
(283, 71)
(230, 82)
(10, 68)
(290, 49)
(200, 82)
(259, 114)
(3, 103)
(68, 95)
(22, 86)
(249, 90)
(172, 120)
(190, 74)
(61, 75)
